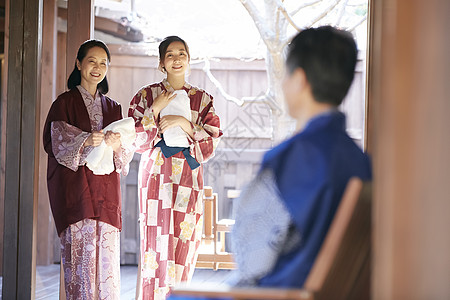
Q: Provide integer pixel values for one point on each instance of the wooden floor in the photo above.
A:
(47, 280)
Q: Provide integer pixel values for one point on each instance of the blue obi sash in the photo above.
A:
(170, 151)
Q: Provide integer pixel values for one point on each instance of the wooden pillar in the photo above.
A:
(23, 94)
(409, 100)
(2, 152)
(3, 83)
(80, 27)
(46, 227)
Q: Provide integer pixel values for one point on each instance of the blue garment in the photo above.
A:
(311, 171)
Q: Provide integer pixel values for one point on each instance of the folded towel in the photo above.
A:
(101, 160)
(179, 106)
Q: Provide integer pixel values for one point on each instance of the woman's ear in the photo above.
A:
(161, 67)
(78, 65)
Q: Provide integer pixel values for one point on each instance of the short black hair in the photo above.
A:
(328, 57)
(75, 76)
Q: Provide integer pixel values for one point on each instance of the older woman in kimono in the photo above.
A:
(86, 207)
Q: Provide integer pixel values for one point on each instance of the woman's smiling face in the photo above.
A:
(176, 59)
(93, 67)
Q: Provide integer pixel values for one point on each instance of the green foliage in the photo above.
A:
(360, 10)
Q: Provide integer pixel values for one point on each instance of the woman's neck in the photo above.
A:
(92, 89)
(176, 82)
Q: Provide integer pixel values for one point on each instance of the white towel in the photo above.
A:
(179, 106)
(101, 160)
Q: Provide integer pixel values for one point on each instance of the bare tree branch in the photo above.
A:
(286, 42)
(259, 22)
(265, 99)
(207, 70)
(324, 13)
(353, 27)
(272, 27)
(283, 10)
(277, 24)
(295, 11)
(341, 13)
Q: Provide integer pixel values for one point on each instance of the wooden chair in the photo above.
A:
(212, 252)
(342, 267)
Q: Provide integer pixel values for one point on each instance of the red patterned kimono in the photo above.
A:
(170, 192)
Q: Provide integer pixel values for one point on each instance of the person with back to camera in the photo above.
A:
(86, 207)
(302, 180)
(177, 131)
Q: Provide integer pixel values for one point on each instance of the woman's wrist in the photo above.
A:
(188, 128)
(155, 111)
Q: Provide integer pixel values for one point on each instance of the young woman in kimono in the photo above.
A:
(86, 207)
(171, 187)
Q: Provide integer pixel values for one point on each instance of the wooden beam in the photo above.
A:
(118, 30)
(24, 59)
(80, 27)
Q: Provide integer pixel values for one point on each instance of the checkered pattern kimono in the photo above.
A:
(170, 192)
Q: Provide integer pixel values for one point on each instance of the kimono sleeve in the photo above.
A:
(206, 130)
(68, 144)
(145, 121)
